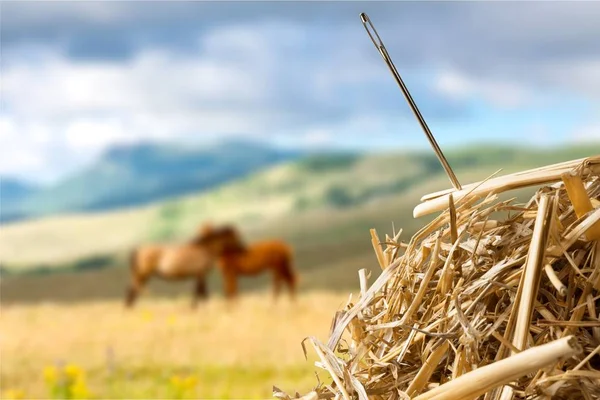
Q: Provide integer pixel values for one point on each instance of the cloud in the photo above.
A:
(240, 80)
(18, 158)
(581, 75)
(90, 134)
(78, 77)
(86, 107)
(504, 94)
(587, 133)
(31, 151)
(483, 37)
(318, 137)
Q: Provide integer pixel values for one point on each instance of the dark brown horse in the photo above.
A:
(192, 260)
(236, 259)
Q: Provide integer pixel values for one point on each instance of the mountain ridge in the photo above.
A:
(137, 174)
(133, 175)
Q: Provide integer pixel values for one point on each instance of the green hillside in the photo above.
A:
(323, 205)
(136, 174)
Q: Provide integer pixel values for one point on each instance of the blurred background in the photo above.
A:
(126, 123)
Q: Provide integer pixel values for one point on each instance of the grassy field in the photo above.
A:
(330, 247)
(231, 352)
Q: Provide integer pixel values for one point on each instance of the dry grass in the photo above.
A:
(237, 352)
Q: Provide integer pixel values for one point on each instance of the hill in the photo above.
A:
(130, 175)
(13, 191)
(323, 186)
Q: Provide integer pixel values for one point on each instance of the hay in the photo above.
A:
(491, 300)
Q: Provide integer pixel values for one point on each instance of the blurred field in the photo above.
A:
(233, 353)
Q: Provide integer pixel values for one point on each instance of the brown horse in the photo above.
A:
(237, 259)
(194, 259)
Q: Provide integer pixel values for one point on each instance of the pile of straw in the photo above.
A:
(491, 300)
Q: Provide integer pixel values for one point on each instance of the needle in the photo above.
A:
(386, 57)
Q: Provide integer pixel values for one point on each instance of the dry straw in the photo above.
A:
(492, 300)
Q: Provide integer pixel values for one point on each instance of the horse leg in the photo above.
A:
(230, 283)
(289, 276)
(137, 283)
(200, 291)
(277, 278)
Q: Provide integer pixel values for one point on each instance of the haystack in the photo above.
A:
(492, 300)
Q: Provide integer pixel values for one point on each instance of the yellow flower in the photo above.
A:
(73, 372)
(147, 315)
(190, 382)
(50, 375)
(176, 381)
(14, 394)
(79, 390)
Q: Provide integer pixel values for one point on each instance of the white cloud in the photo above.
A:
(320, 82)
(587, 133)
(90, 134)
(152, 82)
(582, 75)
(501, 93)
(84, 107)
(20, 153)
(233, 83)
(318, 137)
(56, 105)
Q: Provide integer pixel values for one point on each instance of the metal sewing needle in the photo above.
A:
(386, 57)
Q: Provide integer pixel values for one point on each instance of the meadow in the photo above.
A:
(163, 349)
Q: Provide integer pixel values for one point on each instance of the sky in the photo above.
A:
(79, 77)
